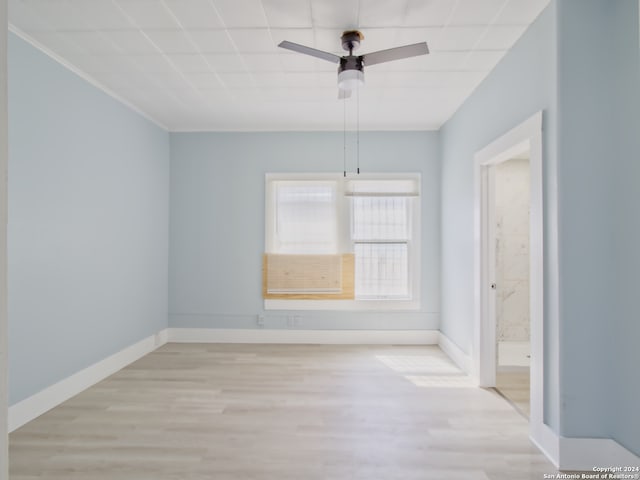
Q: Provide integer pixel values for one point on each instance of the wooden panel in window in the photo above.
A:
(305, 273)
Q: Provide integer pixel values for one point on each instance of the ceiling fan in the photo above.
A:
(351, 67)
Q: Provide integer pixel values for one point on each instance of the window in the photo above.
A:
(375, 217)
(305, 217)
(380, 235)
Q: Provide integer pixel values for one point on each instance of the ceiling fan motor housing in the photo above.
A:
(350, 62)
(351, 40)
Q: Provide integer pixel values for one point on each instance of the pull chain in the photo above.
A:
(358, 128)
(344, 136)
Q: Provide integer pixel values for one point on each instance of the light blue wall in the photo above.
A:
(588, 61)
(217, 222)
(599, 123)
(625, 354)
(88, 223)
(523, 83)
(580, 64)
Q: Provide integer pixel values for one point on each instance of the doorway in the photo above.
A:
(511, 204)
(525, 139)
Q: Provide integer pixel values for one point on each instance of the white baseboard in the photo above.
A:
(583, 454)
(39, 403)
(546, 440)
(455, 353)
(330, 337)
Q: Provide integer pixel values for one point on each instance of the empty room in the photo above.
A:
(319, 239)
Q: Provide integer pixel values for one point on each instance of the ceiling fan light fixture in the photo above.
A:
(350, 79)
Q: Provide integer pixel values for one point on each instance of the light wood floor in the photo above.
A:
(514, 385)
(279, 412)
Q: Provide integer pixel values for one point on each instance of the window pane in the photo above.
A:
(380, 218)
(306, 217)
(382, 270)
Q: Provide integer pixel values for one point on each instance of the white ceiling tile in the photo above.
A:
(412, 64)
(59, 43)
(93, 42)
(521, 12)
(171, 80)
(132, 42)
(288, 13)
(454, 38)
(483, 60)
(301, 80)
(501, 37)
(189, 63)
(405, 36)
(382, 13)
(269, 79)
(378, 39)
(341, 14)
(212, 41)
(226, 62)
(296, 62)
(58, 14)
(302, 36)
(433, 62)
(476, 12)
(428, 80)
(263, 62)
(112, 63)
(328, 40)
(241, 13)
(171, 41)
(237, 80)
(198, 14)
(22, 16)
(148, 13)
(204, 80)
(125, 80)
(214, 96)
(151, 63)
(434, 13)
(101, 15)
(253, 40)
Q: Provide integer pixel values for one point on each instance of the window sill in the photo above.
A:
(344, 305)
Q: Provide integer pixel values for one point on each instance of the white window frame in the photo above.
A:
(345, 244)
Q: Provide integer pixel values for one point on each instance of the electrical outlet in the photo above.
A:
(290, 321)
(296, 320)
(260, 321)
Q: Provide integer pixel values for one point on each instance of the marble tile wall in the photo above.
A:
(512, 249)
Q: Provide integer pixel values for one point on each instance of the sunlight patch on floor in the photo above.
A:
(427, 371)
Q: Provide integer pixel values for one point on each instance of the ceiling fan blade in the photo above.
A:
(343, 94)
(310, 51)
(396, 53)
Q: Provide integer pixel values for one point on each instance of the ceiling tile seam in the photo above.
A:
(173, 65)
(218, 29)
(266, 19)
(196, 47)
(84, 76)
(235, 47)
(485, 32)
(452, 13)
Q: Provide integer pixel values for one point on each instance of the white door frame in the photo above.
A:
(526, 136)
(4, 440)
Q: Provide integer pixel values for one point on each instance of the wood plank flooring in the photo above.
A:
(514, 385)
(258, 412)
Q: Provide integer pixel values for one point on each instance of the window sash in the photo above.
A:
(382, 270)
(305, 217)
